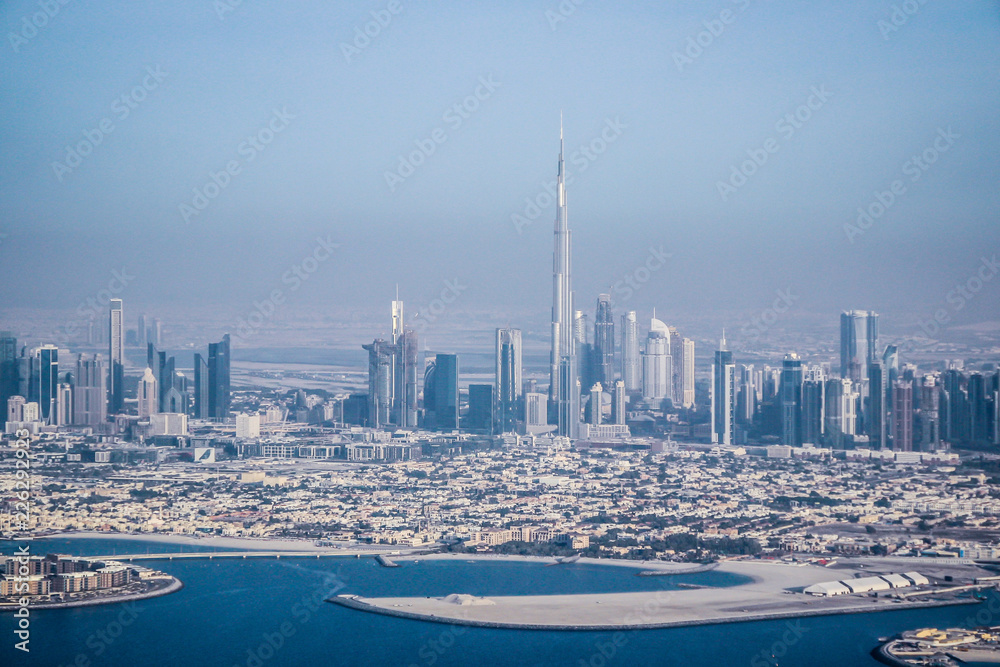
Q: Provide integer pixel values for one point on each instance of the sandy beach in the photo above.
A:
(640, 565)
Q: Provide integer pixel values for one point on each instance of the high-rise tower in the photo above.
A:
(116, 358)
(631, 373)
(562, 374)
(858, 343)
(603, 359)
(791, 400)
(723, 395)
(219, 396)
(90, 405)
(508, 380)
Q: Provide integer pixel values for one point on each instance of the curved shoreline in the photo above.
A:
(351, 601)
(882, 654)
(174, 586)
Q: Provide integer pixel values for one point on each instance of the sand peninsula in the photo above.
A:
(774, 591)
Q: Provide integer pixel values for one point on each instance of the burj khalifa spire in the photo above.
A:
(564, 391)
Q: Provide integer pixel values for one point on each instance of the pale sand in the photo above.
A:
(766, 596)
(640, 565)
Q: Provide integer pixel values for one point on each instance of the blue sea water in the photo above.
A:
(270, 612)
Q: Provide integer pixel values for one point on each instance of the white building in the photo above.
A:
(247, 426)
(168, 423)
(148, 394)
(656, 371)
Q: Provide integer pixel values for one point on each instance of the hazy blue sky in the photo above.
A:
(682, 128)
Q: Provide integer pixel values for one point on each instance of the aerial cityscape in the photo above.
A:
(292, 371)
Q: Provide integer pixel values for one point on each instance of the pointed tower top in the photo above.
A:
(722, 343)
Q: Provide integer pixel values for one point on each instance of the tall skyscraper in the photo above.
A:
(890, 374)
(219, 393)
(723, 395)
(63, 408)
(618, 403)
(930, 420)
(508, 381)
(47, 361)
(841, 413)
(380, 384)
(404, 370)
(687, 378)
(980, 409)
(595, 406)
(200, 404)
(631, 370)
(656, 375)
(746, 395)
(876, 414)
(813, 410)
(902, 416)
(116, 358)
(858, 343)
(481, 408)
(446, 403)
(791, 400)
(392, 376)
(8, 369)
(563, 377)
(149, 403)
(164, 369)
(90, 403)
(603, 358)
(404, 405)
(569, 401)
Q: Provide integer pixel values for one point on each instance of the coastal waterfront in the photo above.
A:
(772, 590)
(256, 597)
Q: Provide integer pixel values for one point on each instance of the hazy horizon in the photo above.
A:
(340, 120)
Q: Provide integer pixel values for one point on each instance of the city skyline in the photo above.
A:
(307, 305)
